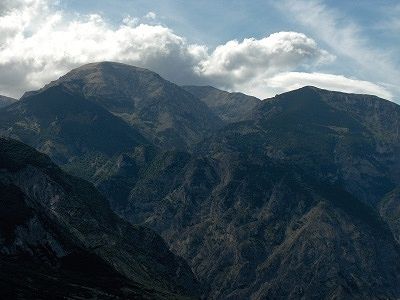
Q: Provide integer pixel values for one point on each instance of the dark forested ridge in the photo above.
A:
(292, 197)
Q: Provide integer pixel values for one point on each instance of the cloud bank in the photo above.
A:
(39, 43)
(346, 38)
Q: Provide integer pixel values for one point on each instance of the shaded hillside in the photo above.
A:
(79, 135)
(64, 126)
(59, 238)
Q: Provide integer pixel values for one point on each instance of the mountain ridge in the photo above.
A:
(142, 98)
(230, 107)
(293, 197)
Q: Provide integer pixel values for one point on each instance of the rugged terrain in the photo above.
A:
(296, 196)
(59, 238)
(162, 111)
(230, 107)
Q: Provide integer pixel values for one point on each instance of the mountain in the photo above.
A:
(64, 126)
(103, 122)
(59, 239)
(162, 111)
(230, 107)
(79, 135)
(295, 202)
(292, 197)
(5, 101)
(347, 139)
(252, 228)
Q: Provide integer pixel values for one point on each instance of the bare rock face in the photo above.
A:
(56, 224)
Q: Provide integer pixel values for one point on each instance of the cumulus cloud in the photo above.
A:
(39, 43)
(345, 37)
(235, 62)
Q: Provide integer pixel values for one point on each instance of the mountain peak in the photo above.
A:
(108, 67)
(164, 112)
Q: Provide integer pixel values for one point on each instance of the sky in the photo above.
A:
(258, 47)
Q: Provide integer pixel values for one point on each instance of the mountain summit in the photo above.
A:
(164, 112)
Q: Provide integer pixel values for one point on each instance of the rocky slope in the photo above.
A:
(291, 191)
(254, 229)
(230, 107)
(294, 197)
(59, 238)
(79, 135)
(66, 126)
(5, 101)
(161, 110)
(346, 139)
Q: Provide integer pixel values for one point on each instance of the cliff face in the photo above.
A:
(63, 226)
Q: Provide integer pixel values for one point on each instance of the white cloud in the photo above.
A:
(40, 43)
(236, 62)
(345, 38)
(150, 15)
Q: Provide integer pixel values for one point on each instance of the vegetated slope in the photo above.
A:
(230, 107)
(164, 112)
(59, 238)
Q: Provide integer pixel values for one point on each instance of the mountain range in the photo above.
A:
(294, 197)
